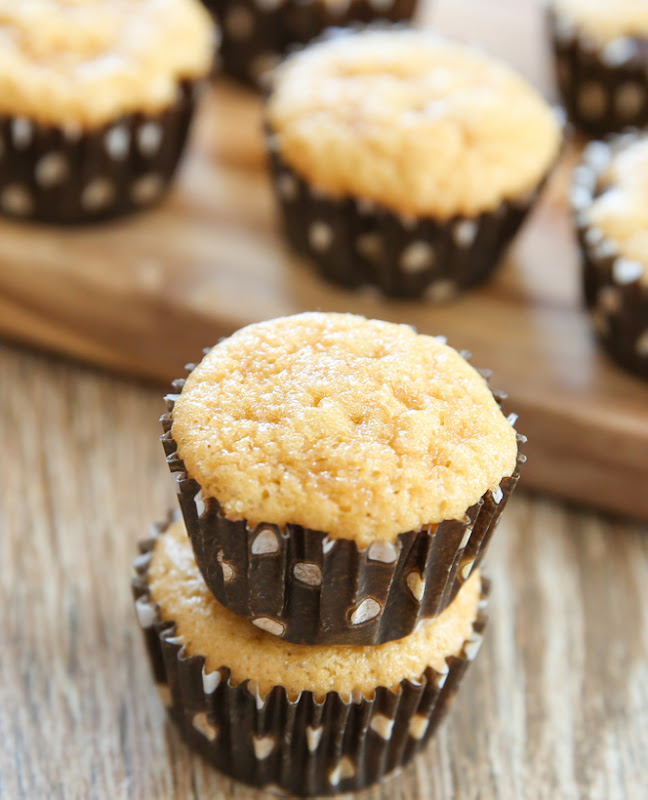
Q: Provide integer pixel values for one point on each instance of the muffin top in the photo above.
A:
(411, 121)
(605, 20)
(86, 62)
(360, 428)
(620, 211)
(209, 629)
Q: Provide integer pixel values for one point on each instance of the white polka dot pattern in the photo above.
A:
(272, 626)
(344, 769)
(201, 723)
(117, 142)
(265, 542)
(16, 200)
(320, 236)
(52, 170)
(417, 257)
(98, 194)
(382, 725)
(310, 574)
(367, 610)
(263, 746)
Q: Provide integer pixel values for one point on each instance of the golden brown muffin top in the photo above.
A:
(605, 20)
(412, 121)
(620, 212)
(87, 62)
(360, 428)
(226, 640)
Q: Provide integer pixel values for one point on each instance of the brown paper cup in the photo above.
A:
(300, 584)
(257, 33)
(307, 745)
(70, 175)
(616, 294)
(354, 243)
(604, 89)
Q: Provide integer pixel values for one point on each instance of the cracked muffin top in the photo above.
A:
(412, 121)
(360, 428)
(86, 62)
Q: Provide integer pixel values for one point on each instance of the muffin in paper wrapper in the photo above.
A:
(604, 87)
(257, 33)
(305, 745)
(615, 293)
(71, 175)
(356, 243)
(300, 584)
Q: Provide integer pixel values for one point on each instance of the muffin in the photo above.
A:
(339, 477)
(601, 50)
(403, 160)
(306, 720)
(610, 200)
(257, 33)
(95, 103)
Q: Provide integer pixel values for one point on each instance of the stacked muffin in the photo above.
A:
(339, 479)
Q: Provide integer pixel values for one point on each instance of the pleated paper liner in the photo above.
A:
(257, 33)
(355, 243)
(300, 584)
(306, 745)
(615, 288)
(604, 88)
(70, 175)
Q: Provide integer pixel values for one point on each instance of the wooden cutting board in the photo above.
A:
(145, 295)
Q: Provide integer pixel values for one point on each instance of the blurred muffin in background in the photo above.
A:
(404, 160)
(610, 199)
(601, 49)
(96, 100)
(257, 33)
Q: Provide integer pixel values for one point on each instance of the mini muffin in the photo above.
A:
(339, 477)
(403, 160)
(95, 103)
(610, 199)
(306, 720)
(257, 33)
(601, 49)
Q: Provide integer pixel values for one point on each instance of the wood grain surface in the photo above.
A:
(555, 706)
(145, 295)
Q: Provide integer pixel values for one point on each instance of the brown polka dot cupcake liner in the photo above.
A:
(71, 176)
(355, 243)
(307, 588)
(257, 33)
(304, 746)
(604, 89)
(615, 288)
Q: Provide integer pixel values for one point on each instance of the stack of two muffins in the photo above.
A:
(339, 479)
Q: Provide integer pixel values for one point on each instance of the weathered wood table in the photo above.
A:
(556, 705)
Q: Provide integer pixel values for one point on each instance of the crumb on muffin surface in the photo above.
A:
(209, 629)
(605, 20)
(620, 211)
(411, 121)
(86, 62)
(360, 428)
